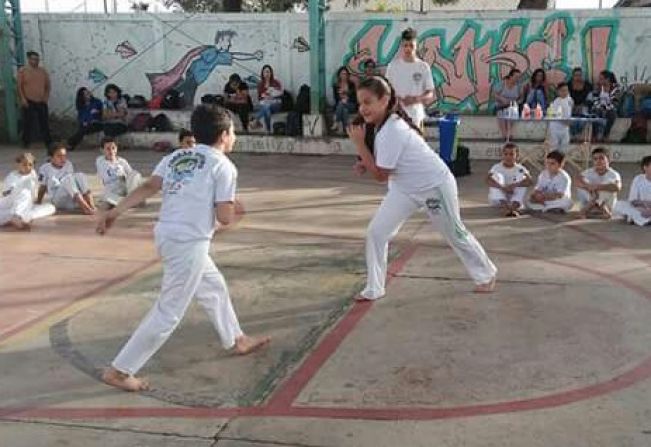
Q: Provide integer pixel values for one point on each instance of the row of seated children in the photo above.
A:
(66, 189)
(597, 187)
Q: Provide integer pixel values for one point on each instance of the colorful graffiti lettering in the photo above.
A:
(196, 66)
(466, 67)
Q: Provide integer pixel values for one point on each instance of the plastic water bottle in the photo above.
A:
(526, 112)
(538, 113)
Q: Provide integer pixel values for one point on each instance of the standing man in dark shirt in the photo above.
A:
(34, 92)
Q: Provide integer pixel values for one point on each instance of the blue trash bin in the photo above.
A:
(448, 137)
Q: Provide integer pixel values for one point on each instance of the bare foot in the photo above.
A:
(126, 382)
(19, 223)
(246, 345)
(488, 287)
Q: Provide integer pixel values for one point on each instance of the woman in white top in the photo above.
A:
(198, 187)
(417, 178)
(116, 174)
(17, 206)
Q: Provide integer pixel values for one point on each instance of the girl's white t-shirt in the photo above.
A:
(560, 183)
(194, 181)
(414, 165)
(112, 173)
(640, 189)
(50, 175)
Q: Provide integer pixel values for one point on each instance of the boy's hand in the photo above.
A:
(359, 168)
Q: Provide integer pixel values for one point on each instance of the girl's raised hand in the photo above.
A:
(356, 133)
(359, 168)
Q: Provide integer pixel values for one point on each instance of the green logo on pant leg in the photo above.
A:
(459, 230)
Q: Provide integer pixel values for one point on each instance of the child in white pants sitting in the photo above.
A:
(17, 206)
(68, 190)
(559, 131)
(117, 176)
(598, 186)
(553, 191)
(508, 181)
(198, 187)
(638, 208)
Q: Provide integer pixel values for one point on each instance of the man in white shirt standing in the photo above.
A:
(411, 78)
(198, 187)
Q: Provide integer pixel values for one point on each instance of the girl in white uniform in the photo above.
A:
(417, 178)
(115, 173)
(17, 200)
(637, 209)
(198, 187)
(508, 181)
(67, 189)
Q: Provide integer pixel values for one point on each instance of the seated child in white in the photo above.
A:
(117, 176)
(598, 186)
(553, 191)
(638, 208)
(17, 206)
(67, 189)
(508, 181)
(559, 131)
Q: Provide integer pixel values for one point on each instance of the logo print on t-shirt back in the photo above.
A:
(182, 169)
(417, 77)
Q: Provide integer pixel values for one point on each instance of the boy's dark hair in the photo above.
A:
(209, 122)
(601, 150)
(577, 70)
(646, 161)
(106, 140)
(561, 85)
(408, 35)
(184, 133)
(32, 53)
(511, 146)
(555, 155)
(56, 146)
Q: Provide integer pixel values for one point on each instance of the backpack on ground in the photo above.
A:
(280, 128)
(137, 102)
(636, 133)
(460, 166)
(162, 146)
(172, 100)
(303, 99)
(294, 126)
(141, 122)
(287, 102)
(161, 123)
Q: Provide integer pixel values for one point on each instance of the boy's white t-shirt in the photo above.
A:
(16, 181)
(640, 189)
(411, 79)
(112, 173)
(561, 183)
(50, 175)
(511, 175)
(610, 176)
(414, 164)
(565, 105)
(194, 181)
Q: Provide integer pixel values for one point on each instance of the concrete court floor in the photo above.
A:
(560, 355)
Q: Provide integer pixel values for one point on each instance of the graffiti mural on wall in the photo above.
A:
(467, 65)
(196, 66)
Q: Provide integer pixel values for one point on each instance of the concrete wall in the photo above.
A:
(148, 54)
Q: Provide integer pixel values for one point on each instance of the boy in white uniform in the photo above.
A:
(17, 199)
(508, 182)
(186, 139)
(116, 174)
(598, 186)
(638, 208)
(198, 187)
(559, 131)
(411, 78)
(67, 189)
(553, 191)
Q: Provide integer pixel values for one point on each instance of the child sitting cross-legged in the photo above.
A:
(637, 209)
(598, 186)
(508, 181)
(553, 191)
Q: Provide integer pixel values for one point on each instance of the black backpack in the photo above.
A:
(294, 127)
(303, 99)
(172, 100)
(287, 102)
(212, 99)
(161, 123)
(460, 166)
(137, 102)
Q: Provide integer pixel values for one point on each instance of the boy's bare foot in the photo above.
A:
(246, 345)
(19, 223)
(487, 287)
(126, 382)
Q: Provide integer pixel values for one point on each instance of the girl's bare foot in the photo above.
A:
(246, 345)
(126, 382)
(487, 287)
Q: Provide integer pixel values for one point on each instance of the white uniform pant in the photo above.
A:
(188, 271)
(632, 214)
(497, 196)
(564, 204)
(71, 185)
(603, 197)
(20, 204)
(442, 207)
(559, 138)
(116, 192)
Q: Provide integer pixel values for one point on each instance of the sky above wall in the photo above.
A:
(124, 5)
